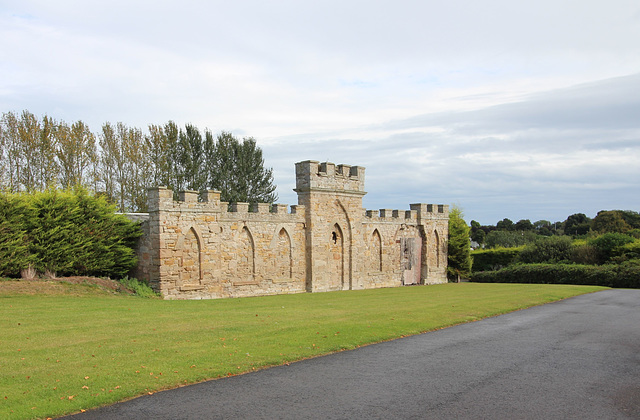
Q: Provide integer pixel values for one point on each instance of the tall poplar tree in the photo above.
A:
(237, 170)
(109, 156)
(76, 153)
(138, 169)
(12, 155)
(191, 158)
(159, 154)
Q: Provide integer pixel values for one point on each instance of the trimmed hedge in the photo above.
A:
(626, 275)
(494, 259)
(14, 249)
(65, 233)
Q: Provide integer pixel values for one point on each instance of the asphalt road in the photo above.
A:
(574, 359)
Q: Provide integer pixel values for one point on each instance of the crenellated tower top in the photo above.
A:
(312, 175)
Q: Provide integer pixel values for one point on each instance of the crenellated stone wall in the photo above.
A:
(204, 248)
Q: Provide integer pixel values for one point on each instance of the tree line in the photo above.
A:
(121, 162)
(507, 233)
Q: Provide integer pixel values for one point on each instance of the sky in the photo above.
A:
(505, 109)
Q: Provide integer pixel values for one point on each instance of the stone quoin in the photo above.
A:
(206, 249)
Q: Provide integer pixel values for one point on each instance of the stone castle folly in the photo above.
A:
(205, 249)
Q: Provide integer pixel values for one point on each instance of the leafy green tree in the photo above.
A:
(237, 170)
(607, 244)
(172, 132)
(478, 236)
(610, 221)
(632, 218)
(505, 224)
(126, 166)
(256, 180)
(12, 159)
(543, 227)
(110, 162)
(191, 159)
(137, 169)
(577, 224)
(76, 153)
(222, 166)
(159, 154)
(48, 168)
(459, 246)
(523, 224)
(539, 224)
(29, 135)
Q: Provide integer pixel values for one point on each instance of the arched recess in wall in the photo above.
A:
(376, 251)
(336, 258)
(190, 246)
(410, 241)
(436, 240)
(283, 254)
(246, 256)
(343, 223)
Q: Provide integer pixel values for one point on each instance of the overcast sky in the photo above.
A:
(518, 109)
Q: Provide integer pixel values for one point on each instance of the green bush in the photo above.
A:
(14, 250)
(626, 252)
(553, 249)
(583, 253)
(626, 275)
(606, 244)
(494, 259)
(65, 233)
(139, 288)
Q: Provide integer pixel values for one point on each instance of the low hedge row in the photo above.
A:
(624, 275)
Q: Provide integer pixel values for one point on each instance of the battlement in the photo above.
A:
(312, 175)
(392, 215)
(161, 198)
(431, 211)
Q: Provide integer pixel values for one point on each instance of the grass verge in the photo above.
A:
(62, 354)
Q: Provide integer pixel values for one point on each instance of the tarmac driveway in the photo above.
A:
(574, 359)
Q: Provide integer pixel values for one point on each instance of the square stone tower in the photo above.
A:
(332, 196)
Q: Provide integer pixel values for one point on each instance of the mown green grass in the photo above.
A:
(62, 354)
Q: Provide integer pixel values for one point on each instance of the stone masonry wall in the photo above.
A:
(207, 249)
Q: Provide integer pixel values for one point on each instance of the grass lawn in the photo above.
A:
(70, 351)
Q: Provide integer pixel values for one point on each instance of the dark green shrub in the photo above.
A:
(626, 252)
(55, 241)
(113, 238)
(627, 275)
(14, 250)
(583, 254)
(547, 250)
(494, 259)
(66, 233)
(606, 244)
